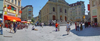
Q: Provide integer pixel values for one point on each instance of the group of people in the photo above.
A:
(80, 25)
(13, 27)
(57, 26)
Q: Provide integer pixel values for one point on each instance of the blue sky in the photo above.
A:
(38, 4)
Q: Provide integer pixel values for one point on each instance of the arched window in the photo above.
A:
(53, 9)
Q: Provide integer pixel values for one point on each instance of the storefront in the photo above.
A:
(8, 19)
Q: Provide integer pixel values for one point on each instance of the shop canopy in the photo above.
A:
(11, 18)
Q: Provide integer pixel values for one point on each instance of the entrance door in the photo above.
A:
(53, 17)
(65, 18)
(61, 18)
(95, 19)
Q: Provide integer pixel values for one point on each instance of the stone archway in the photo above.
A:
(53, 17)
(65, 18)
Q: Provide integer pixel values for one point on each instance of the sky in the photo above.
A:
(39, 4)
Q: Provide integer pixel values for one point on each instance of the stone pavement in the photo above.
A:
(47, 33)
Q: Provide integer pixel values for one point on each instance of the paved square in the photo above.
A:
(47, 33)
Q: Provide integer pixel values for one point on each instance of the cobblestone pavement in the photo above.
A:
(47, 33)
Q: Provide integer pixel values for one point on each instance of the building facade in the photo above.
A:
(27, 13)
(15, 8)
(55, 10)
(61, 11)
(95, 11)
(1, 8)
(76, 11)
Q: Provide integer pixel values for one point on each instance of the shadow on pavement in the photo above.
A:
(87, 32)
(64, 34)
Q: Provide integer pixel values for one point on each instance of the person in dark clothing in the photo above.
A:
(15, 26)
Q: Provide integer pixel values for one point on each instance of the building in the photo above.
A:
(61, 11)
(27, 13)
(1, 8)
(95, 11)
(15, 7)
(54, 10)
(76, 11)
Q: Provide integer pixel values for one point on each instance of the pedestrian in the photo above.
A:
(11, 28)
(77, 25)
(42, 24)
(56, 25)
(81, 28)
(15, 26)
(1, 28)
(83, 25)
(68, 28)
(88, 24)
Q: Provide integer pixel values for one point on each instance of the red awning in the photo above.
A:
(11, 18)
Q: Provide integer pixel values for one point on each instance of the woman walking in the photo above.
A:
(11, 28)
(68, 28)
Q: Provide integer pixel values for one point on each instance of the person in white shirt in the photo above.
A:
(68, 28)
(42, 24)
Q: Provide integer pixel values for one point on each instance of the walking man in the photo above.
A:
(68, 28)
(15, 26)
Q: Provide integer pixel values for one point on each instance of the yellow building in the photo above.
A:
(95, 11)
(61, 11)
(54, 10)
(15, 7)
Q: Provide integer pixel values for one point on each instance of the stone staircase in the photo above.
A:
(62, 23)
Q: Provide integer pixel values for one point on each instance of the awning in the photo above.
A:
(11, 18)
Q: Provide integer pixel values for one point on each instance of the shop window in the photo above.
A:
(53, 9)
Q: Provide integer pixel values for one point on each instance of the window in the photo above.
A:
(93, 3)
(12, 1)
(29, 9)
(60, 9)
(18, 3)
(53, 9)
(65, 10)
(15, 1)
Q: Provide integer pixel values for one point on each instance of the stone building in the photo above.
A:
(76, 11)
(61, 11)
(95, 11)
(55, 10)
(27, 13)
(15, 7)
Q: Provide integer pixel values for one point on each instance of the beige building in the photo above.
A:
(76, 11)
(61, 11)
(95, 10)
(15, 7)
(55, 10)
(27, 13)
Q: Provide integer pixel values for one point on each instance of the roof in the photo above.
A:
(77, 3)
(27, 6)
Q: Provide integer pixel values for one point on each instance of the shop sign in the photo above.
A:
(11, 11)
(11, 14)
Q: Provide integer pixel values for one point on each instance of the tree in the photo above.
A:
(32, 19)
